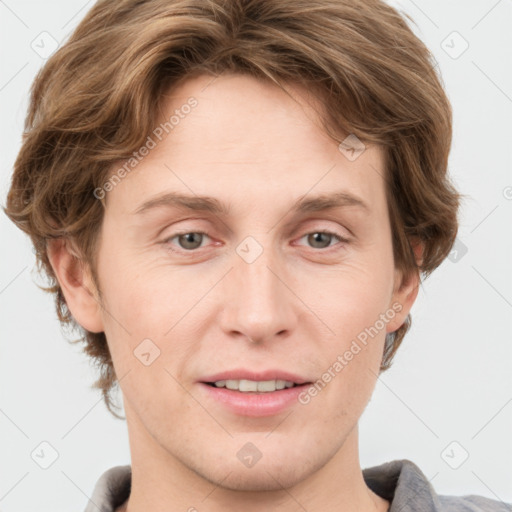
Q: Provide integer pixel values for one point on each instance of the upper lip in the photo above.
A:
(242, 374)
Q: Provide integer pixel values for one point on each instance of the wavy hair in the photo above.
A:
(96, 100)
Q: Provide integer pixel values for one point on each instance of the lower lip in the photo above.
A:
(254, 404)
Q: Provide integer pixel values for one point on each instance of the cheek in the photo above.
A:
(131, 309)
(135, 293)
(354, 304)
(151, 309)
(352, 297)
(351, 357)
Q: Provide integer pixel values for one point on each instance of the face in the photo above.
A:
(285, 274)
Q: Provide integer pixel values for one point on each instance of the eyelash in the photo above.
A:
(190, 251)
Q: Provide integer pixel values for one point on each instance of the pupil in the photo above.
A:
(189, 238)
(314, 237)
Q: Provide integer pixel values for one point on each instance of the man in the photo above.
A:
(235, 200)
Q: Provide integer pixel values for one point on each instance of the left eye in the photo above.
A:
(192, 240)
(316, 237)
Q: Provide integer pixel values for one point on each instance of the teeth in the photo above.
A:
(246, 386)
(280, 384)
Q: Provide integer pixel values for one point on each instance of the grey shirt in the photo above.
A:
(400, 482)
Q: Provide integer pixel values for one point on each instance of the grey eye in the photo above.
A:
(189, 241)
(316, 239)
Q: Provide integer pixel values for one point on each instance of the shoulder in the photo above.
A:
(472, 503)
(408, 489)
(111, 490)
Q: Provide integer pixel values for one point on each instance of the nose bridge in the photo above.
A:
(259, 305)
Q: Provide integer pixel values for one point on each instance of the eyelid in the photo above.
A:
(327, 232)
(314, 221)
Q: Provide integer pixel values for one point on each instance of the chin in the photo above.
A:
(263, 479)
(265, 475)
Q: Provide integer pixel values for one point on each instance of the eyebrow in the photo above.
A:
(213, 205)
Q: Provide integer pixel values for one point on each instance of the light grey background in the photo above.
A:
(451, 380)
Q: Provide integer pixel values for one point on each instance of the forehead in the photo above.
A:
(237, 137)
(242, 113)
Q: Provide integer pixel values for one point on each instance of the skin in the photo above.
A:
(297, 307)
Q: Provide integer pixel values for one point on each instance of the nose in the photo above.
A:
(259, 302)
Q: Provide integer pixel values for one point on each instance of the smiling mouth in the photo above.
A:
(252, 386)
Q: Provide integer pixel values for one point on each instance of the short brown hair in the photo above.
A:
(93, 103)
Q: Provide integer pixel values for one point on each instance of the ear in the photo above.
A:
(405, 290)
(73, 275)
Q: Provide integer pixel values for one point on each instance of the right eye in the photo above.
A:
(187, 240)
